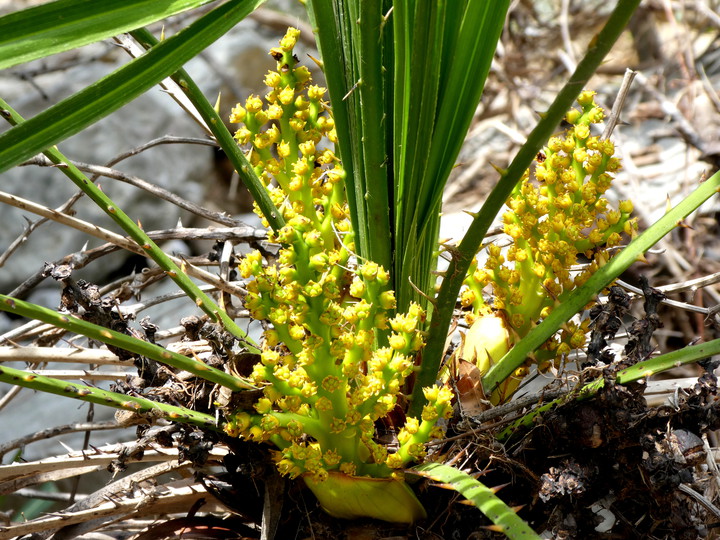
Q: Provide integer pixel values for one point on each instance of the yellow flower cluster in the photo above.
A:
(286, 131)
(335, 357)
(556, 215)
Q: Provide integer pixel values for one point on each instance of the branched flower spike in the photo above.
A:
(334, 356)
(554, 216)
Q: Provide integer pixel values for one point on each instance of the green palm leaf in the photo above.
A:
(120, 87)
(67, 24)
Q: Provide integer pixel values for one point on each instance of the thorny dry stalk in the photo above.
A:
(55, 432)
(81, 259)
(157, 191)
(239, 232)
(67, 205)
(124, 243)
(116, 499)
(32, 225)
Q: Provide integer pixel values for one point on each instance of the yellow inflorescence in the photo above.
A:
(555, 216)
(335, 356)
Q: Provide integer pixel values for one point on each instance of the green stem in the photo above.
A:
(641, 370)
(90, 394)
(223, 137)
(122, 341)
(201, 299)
(468, 248)
(598, 281)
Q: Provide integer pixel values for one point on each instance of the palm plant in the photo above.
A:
(404, 80)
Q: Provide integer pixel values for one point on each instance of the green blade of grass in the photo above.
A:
(122, 341)
(419, 31)
(372, 57)
(504, 517)
(120, 87)
(331, 24)
(393, 77)
(468, 59)
(353, 39)
(598, 281)
(442, 59)
(60, 26)
(91, 394)
(462, 255)
(641, 370)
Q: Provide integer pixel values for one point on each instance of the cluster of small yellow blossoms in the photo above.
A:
(555, 215)
(334, 356)
(305, 181)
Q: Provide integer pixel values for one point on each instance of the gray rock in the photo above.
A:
(236, 64)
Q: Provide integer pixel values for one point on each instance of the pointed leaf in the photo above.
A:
(504, 517)
(120, 87)
(99, 396)
(67, 24)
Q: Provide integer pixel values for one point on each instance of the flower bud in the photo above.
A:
(253, 104)
(572, 116)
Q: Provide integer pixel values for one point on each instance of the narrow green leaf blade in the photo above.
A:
(443, 54)
(121, 341)
(99, 396)
(66, 24)
(418, 62)
(598, 281)
(120, 87)
(370, 105)
(354, 40)
(467, 71)
(331, 22)
(463, 255)
(481, 496)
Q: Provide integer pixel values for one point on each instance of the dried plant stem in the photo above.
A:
(222, 135)
(614, 117)
(22, 238)
(173, 270)
(9, 396)
(667, 301)
(166, 139)
(121, 341)
(691, 284)
(161, 193)
(54, 432)
(167, 84)
(80, 374)
(170, 497)
(111, 237)
(64, 219)
(110, 500)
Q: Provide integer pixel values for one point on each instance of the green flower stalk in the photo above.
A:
(335, 356)
(554, 216)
